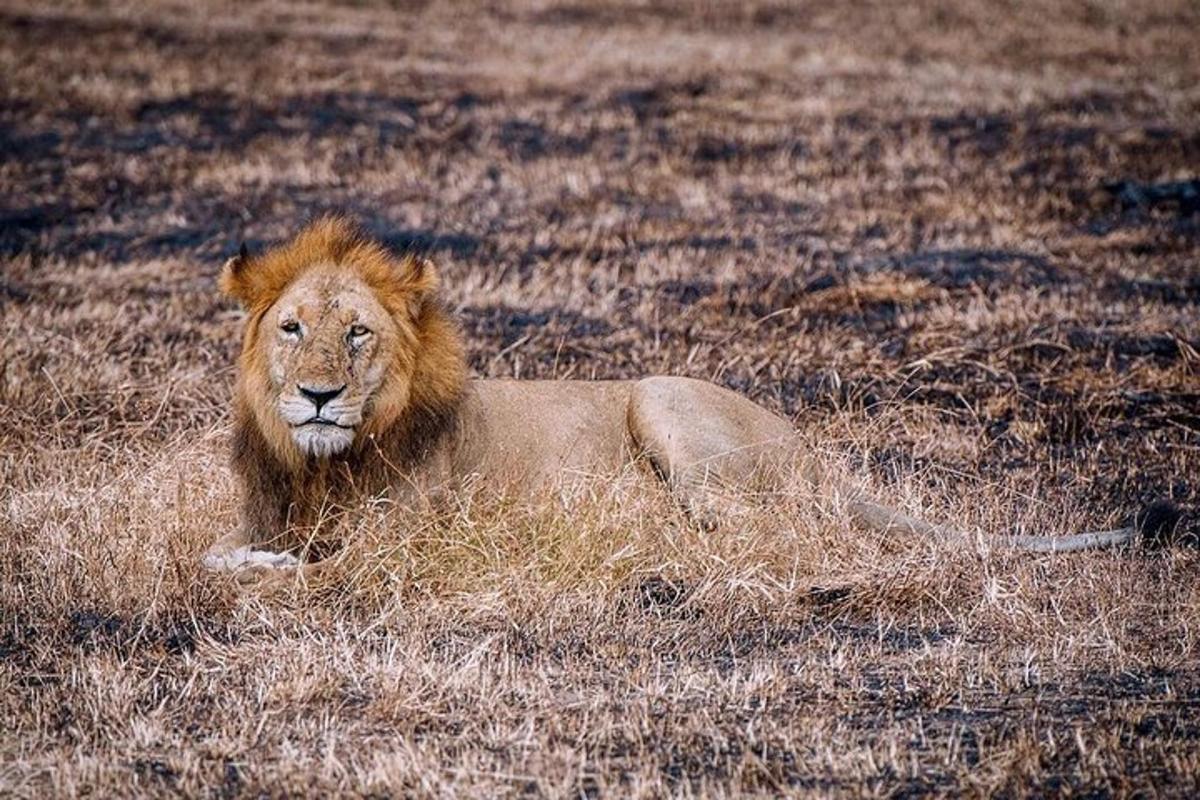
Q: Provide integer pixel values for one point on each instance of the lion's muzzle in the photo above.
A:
(323, 418)
(320, 396)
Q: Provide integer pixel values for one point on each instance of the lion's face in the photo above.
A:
(344, 341)
(327, 342)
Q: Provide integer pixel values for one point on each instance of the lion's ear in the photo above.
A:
(418, 280)
(235, 278)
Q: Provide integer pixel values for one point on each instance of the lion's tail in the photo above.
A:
(1157, 525)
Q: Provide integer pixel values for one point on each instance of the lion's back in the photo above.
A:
(538, 432)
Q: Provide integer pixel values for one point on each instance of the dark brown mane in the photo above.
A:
(414, 411)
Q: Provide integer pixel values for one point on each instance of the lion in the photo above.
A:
(352, 381)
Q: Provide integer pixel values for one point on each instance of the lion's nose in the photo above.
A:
(318, 395)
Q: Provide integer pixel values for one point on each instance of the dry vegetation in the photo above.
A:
(890, 223)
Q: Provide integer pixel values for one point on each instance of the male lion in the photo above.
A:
(352, 382)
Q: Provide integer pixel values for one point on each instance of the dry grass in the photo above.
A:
(888, 222)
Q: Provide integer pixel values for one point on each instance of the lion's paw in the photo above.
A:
(245, 558)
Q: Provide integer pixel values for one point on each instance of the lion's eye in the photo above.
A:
(358, 331)
(290, 327)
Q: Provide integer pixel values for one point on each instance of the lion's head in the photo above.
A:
(343, 338)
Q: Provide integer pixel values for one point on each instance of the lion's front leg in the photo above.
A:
(247, 553)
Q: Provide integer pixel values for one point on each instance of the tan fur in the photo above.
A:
(414, 424)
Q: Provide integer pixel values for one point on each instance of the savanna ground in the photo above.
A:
(904, 227)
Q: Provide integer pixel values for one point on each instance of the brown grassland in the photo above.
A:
(954, 242)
